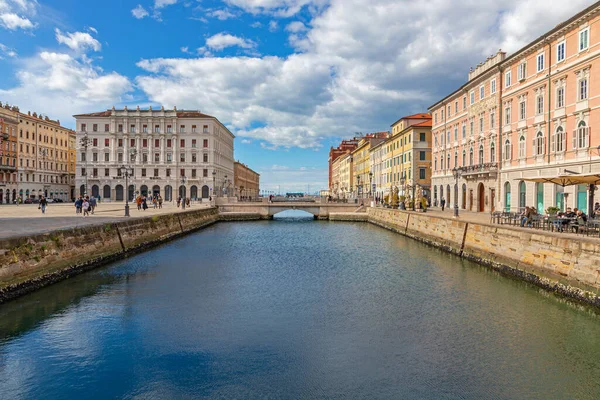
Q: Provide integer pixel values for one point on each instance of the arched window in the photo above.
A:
(455, 159)
(435, 164)
(507, 150)
(471, 156)
(522, 149)
(492, 152)
(538, 143)
(581, 138)
(480, 154)
(558, 140)
(464, 163)
(448, 164)
(522, 195)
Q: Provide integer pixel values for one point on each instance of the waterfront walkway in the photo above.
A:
(27, 219)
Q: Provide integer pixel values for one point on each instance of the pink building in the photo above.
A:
(527, 115)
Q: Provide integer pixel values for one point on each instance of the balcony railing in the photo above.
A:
(480, 170)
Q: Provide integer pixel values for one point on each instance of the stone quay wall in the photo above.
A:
(570, 267)
(29, 263)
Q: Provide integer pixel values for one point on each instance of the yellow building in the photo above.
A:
(346, 175)
(363, 177)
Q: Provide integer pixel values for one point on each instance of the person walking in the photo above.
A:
(138, 201)
(93, 204)
(43, 204)
(85, 206)
(144, 204)
(160, 201)
(443, 203)
(154, 202)
(78, 205)
(178, 201)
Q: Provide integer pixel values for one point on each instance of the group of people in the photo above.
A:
(187, 202)
(85, 205)
(142, 202)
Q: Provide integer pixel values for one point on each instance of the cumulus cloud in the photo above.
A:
(281, 8)
(139, 12)
(79, 85)
(222, 15)
(6, 51)
(78, 41)
(221, 41)
(163, 3)
(13, 22)
(296, 27)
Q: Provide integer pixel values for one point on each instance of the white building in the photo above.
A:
(161, 146)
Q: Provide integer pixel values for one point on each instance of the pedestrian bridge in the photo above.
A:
(268, 210)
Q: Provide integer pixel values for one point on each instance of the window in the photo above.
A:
(522, 71)
(132, 129)
(540, 105)
(106, 127)
(205, 143)
(471, 156)
(194, 143)
(456, 107)
(193, 173)
(481, 154)
(156, 128)
(560, 97)
(584, 39)
(132, 142)
(169, 143)
(583, 90)
(182, 143)
(522, 149)
(507, 116)
(145, 158)
(143, 172)
(422, 173)
(169, 129)
(492, 152)
(182, 172)
(464, 131)
(455, 132)
(182, 157)
(95, 142)
(493, 86)
(471, 128)
(442, 115)
(538, 144)
(182, 129)
(83, 128)
(144, 142)
(449, 111)
(507, 79)
(507, 150)
(205, 173)
(194, 159)
(106, 157)
(464, 102)
(120, 127)
(156, 172)
(168, 172)
(560, 52)
(540, 62)
(472, 96)
(95, 127)
(156, 157)
(481, 124)
(193, 128)
(145, 128)
(205, 129)
(481, 92)
(205, 157)
(492, 120)
(82, 157)
(132, 158)
(157, 143)
(169, 157)
(581, 136)
(558, 140)
(422, 156)
(106, 142)
(421, 138)
(95, 157)
(106, 171)
(120, 157)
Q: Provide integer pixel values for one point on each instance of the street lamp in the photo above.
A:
(214, 174)
(358, 186)
(370, 184)
(183, 180)
(84, 142)
(132, 157)
(457, 172)
(223, 186)
(127, 171)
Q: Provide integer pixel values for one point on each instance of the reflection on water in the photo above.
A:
(295, 308)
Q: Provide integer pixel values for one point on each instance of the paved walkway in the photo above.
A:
(27, 219)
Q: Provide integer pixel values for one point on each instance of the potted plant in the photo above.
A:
(552, 210)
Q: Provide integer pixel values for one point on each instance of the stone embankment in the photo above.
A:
(559, 264)
(29, 263)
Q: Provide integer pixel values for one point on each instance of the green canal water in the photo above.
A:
(297, 309)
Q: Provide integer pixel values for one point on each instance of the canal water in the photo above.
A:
(297, 309)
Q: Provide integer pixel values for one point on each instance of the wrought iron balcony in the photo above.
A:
(488, 170)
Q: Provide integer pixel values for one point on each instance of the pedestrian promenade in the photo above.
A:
(27, 219)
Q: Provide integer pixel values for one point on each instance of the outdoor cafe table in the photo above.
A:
(564, 222)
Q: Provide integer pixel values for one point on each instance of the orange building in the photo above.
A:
(8, 155)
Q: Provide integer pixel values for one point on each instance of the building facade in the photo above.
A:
(8, 155)
(169, 153)
(362, 164)
(246, 181)
(335, 152)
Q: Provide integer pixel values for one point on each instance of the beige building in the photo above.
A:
(246, 181)
(171, 152)
(8, 155)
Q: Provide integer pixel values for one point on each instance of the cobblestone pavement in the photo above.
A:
(27, 219)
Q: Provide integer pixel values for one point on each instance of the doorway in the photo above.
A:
(493, 199)
(470, 199)
(481, 197)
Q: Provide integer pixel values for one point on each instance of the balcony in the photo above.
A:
(481, 171)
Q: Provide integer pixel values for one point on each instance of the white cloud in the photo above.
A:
(80, 86)
(163, 3)
(273, 26)
(356, 68)
(221, 41)
(256, 24)
(221, 15)
(92, 29)
(78, 41)
(7, 51)
(139, 12)
(13, 22)
(246, 141)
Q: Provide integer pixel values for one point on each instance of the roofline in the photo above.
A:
(411, 117)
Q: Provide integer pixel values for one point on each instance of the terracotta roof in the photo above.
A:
(424, 123)
(193, 114)
(418, 116)
(106, 113)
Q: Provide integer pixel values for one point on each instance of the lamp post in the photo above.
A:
(85, 141)
(183, 180)
(214, 174)
(223, 186)
(358, 186)
(127, 171)
(132, 157)
(457, 172)
(370, 184)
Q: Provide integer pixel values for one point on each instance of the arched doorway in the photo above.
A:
(14, 196)
(182, 191)
(522, 196)
(507, 196)
(82, 190)
(119, 193)
(464, 196)
(106, 192)
(448, 200)
(455, 195)
(540, 198)
(131, 192)
(95, 191)
(144, 190)
(481, 197)
(168, 193)
(1, 196)
(194, 192)
(582, 198)
(470, 199)
(435, 194)
(442, 193)
(156, 190)
(205, 191)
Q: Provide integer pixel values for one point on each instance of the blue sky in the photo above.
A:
(290, 78)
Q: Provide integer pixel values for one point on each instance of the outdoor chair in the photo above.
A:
(582, 227)
(495, 217)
